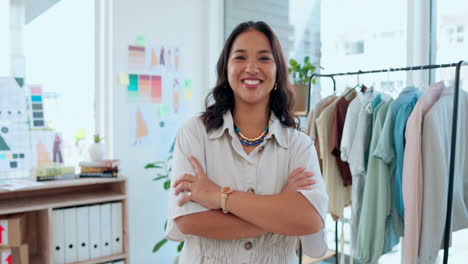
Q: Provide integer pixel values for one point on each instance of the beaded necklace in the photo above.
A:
(251, 141)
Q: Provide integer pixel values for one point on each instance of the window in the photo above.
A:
(354, 47)
(363, 35)
(52, 50)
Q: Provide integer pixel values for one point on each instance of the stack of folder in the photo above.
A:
(99, 169)
(87, 232)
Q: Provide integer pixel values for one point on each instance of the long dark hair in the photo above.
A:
(281, 98)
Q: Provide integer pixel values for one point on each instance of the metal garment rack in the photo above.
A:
(458, 65)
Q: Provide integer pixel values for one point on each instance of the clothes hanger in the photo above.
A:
(352, 89)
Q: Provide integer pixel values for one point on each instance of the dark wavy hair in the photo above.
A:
(221, 97)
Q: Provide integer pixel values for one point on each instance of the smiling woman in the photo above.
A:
(246, 181)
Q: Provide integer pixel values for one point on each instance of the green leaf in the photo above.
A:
(153, 165)
(181, 245)
(160, 177)
(314, 81)
(159, 245)
(167, 185)
(306, 59)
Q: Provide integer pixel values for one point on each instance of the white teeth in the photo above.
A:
(251, 82)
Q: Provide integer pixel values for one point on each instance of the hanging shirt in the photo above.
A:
(412, 178)
(436, 146)
(399, 133)
(265, 169)
(340, 196)
(349, 133)
(312, 126)
(376, 102)
(338, 121)
(361, 139)
(375, 232)
(385, 149)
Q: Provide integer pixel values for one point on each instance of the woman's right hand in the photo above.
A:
(298, 180)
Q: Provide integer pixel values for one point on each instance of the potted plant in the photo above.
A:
(300, 74)
(163, 170)
(96, 150)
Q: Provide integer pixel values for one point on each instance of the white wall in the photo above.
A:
(189, 25)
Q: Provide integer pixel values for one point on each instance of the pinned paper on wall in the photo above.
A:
(37, 120)
(154, 57)
(144, 88)
(156, 89)
(188, 95)
(132, 88)
(187, 84)
(176, 59)
(15, 146)
(140, 40)
(123, 79)
(163, 111)
(142, 125)
(136, 58)
(47, 148)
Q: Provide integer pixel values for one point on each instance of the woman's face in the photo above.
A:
(251, 68)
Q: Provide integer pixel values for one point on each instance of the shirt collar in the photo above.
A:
(275, 128)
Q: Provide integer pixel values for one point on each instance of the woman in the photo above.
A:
(242, 188)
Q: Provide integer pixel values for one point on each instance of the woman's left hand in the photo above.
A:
(199, 188)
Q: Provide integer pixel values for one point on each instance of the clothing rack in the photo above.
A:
(458, 65)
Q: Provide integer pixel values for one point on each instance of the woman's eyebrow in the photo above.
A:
(239, 50)
(265, 51)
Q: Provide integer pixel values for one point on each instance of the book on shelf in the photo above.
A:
(113, 174)
(100, 164)
(54, 172)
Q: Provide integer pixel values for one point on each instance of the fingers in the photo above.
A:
(196, 166)
(184, 186)
(302, 176)
(185, 178)
(296, 172)
(185, 199)
(306, 183)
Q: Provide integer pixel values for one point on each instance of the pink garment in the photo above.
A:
(413, 173)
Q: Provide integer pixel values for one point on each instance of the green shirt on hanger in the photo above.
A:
(375, 231)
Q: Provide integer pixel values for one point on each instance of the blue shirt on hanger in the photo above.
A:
(402, 116)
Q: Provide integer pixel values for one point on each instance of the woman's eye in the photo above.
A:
(239, 58)
(265, 58)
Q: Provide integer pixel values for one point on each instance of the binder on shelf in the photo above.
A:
(58, 237)
(82, 216)
(106, 230)
(116, 210)
(71, 250)
(94, 231)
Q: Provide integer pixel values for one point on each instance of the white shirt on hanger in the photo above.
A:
(436, 146)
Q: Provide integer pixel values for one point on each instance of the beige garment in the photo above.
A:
(413, 172)
(339, 195)
(313, 128)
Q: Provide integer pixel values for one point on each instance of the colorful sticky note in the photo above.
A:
(188, 84)
(163, 111)
(188, 95)
(123, 79)
(140, 40)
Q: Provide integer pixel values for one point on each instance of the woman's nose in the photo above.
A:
(251, 67)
